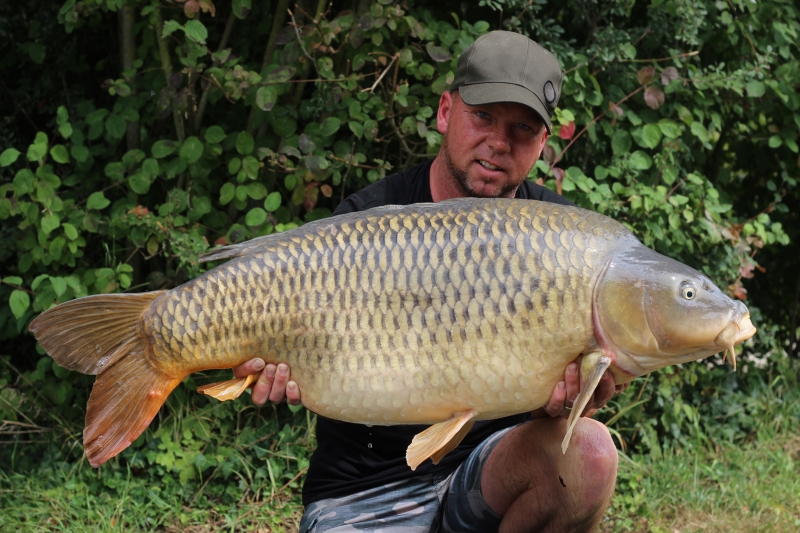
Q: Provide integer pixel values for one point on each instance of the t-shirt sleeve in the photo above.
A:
(533, 191)
(349, 205)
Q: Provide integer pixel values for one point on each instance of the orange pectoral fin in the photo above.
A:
(228, 390)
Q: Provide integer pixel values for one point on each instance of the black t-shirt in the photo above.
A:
(351, 457)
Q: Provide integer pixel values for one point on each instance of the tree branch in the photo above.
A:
(166, 66)
(201, 106)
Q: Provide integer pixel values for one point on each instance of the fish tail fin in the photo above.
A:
(100, 335)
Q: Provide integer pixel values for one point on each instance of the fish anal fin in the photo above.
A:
(439, 439)
(124, 400)
(453, 443)
(228, 390)
(593, 366)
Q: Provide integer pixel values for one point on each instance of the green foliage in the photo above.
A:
(213, 126)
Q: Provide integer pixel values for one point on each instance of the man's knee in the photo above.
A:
(591, 463)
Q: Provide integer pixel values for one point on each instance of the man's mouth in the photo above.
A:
(487, 165)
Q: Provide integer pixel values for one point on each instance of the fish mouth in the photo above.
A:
(735, 333)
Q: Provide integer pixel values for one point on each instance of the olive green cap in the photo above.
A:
(503, 66)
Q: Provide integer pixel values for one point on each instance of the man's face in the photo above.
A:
(488, 149)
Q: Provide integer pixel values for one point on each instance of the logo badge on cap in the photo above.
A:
(549, 92)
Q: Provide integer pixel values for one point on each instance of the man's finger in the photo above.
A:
(572, 379)
(292, 393)
(278, 392)
(253, 366)
(604, 391)
(555, 406)
(263, 387)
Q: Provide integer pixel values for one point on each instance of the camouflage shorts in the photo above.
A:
(424, 504)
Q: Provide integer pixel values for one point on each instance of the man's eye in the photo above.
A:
(524, 127)
(482, 114)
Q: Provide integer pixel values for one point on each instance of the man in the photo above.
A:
(508, 474)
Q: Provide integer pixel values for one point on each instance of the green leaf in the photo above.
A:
(14, 280)
(163, 148)
(256, 191)
(629, 50)
(50, 222)
(38, 149)
(226, 193)
(775, 141)
(8, 157)
(59, 154)
(266, 98)
(755, 89)
(19, 301)
(356, 128)
(196, 31)
(192, 149)
(640, 161)
(699, 131)
(244, 143)
(241, 8)
(97, 200)
(150, 166)
(116, 126)
(170, 27)
(273, 202)
(59, 285)
(70, 231)
(284, 126)
(62, 119)
(23, 182)
(79, 152)
(281, 74)
(651, 135)
(215, 134)
(621, 142)
(255, 217)
(669, 129)
(139, 182)
(251, 167)
(330, 126)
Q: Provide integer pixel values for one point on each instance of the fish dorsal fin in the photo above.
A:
(592, 368)
(439, 439)
(228, 390)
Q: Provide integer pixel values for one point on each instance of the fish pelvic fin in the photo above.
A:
(440, 439)
(100, 335)
(593, 366)
(228, 390)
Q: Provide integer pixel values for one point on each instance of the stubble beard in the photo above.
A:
(461, 179)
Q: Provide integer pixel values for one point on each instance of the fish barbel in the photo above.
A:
(439, 314)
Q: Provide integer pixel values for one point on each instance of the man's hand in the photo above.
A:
(565, 393)
(273, 384)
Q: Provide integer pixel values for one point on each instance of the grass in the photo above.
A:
(728, 489)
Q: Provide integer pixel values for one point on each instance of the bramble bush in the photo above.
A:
(142, 133)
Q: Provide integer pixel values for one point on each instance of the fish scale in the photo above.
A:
(401, 317)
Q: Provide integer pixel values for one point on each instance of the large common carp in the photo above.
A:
(439, 314)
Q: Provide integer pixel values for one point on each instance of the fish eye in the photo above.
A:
(688, 291)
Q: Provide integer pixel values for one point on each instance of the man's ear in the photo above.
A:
(445, 107)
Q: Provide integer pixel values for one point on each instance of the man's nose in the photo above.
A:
(498, 141)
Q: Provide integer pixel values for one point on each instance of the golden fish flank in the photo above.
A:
(433, 313)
